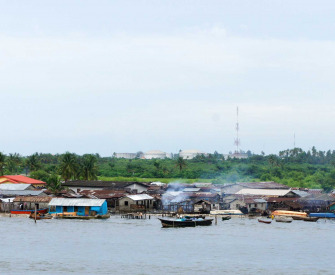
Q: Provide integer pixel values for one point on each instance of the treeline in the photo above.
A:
(294, 167)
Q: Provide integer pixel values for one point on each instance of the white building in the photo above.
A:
(125, 155)
(190, 154)
(155, 154)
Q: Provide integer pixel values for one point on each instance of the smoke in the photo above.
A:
(174, 194)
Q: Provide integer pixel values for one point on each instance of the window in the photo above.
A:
(255, 204)
(126, 203)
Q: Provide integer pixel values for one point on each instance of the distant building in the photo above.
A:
(155, 154)
(125, 155)
(190, 154)
(236, 156)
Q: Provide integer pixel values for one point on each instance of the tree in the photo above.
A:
(40, 175)
(33, 162)
(69, 166)
(54, 184)
(89, 168)
(13, 163)
(2, 163)
(181, 163)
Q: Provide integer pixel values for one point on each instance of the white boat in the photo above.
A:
(226, 212)
(283, 219)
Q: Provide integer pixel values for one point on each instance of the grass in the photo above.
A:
(165, 180)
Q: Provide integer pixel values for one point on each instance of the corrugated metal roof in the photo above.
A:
(34, 199)
(140, 197)
(191, 190)
(21, 192)
(301, 193)
(263, 185)
(263, 192)
(76, 202)
(17, 186)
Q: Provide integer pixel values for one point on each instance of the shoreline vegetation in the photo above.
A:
(292, 167)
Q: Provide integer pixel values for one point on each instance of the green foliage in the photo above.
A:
(54, 184)
(40, 175)
(2, 163)
(89, 167)
(293, 167)
(33, 162)
(69, 166)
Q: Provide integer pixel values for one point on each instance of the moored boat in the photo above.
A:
(306, 219)
(283, 219)
(323, 215)
(186, 222)
(40, 216)
(28, 212)
(226, 218)
(264, 221)
(289, 213)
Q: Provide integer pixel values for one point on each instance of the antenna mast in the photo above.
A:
(237, 139)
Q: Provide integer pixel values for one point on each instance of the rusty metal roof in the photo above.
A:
(34, 199)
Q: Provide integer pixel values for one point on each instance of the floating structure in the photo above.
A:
(78, 208)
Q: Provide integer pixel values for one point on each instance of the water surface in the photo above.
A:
(121, 246)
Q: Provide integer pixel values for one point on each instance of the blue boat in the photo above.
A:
(323, 215)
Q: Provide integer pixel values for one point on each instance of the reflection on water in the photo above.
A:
(240, 246)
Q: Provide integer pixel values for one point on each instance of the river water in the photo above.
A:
(121, 246)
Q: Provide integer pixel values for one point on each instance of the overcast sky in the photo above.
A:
(123, 76)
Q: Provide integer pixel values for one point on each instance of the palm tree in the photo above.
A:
(33, 162)
(68, 167)
(181, 163)
(13, 163)
(54, 184)
(2, 163)
(89, 167)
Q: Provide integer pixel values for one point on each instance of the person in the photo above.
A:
(21, 206)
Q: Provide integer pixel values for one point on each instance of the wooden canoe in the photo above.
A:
(264, 221)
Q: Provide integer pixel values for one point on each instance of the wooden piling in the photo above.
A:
(35, 212)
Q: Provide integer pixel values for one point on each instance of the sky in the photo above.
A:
(127, 76)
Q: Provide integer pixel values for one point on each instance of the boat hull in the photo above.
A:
(284, 219)
(28, 212)
(306, 219)
(190, 223)
(289, 213)
(263, 221)
(323, 215)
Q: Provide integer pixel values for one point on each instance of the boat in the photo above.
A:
(40, 216)
(226, 212)
(264, 221)
(306, 219)
(186, 222)
(226, 218)
(323, 215)
(28, 212)
(289, 213)
(283, 219)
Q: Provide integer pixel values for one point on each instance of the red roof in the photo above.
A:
(22, 179)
